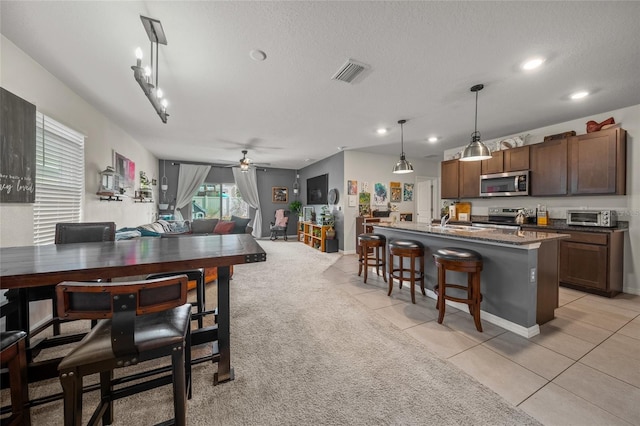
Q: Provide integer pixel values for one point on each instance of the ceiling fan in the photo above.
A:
(245, 162)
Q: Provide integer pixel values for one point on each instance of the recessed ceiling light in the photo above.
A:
(532, 64)
(579, 95)
(433, 139)
(382, 131)
(258, 55)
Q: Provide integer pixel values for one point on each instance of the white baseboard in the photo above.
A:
(493, 319)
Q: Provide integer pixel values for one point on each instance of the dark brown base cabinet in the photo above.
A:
(592, 262)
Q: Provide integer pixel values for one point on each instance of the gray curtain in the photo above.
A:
(247, 183)
(190, 177)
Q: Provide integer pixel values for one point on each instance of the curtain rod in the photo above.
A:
(175, 163)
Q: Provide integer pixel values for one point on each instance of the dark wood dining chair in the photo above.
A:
(196, 275)
(66, 233)
(139, 321)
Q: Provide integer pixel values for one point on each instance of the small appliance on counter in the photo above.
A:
(599, 218)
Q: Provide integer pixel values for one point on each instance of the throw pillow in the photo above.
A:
(240, 224)
(203, 226)
(224, 227)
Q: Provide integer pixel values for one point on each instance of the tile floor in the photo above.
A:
(582, 369)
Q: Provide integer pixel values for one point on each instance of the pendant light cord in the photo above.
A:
(475, 126)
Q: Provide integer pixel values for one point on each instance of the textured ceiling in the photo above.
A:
(424, 57)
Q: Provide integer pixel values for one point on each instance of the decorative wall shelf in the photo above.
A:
(107, 196)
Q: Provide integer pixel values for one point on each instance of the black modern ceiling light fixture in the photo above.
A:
(476, 150)
(145, 75)
(402, 166)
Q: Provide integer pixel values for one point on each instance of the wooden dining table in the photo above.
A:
(34, 266)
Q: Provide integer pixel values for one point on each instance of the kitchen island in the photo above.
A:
(519, 280)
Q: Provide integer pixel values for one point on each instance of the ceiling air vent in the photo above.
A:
(349, 71)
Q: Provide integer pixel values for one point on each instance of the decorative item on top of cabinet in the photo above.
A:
(597, 163)
(594, 126)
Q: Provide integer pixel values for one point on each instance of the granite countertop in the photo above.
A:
(554, 225)
(501, 236)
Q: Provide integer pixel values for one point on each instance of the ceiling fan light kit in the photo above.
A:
(144, 75)
(402, 166)
(476, 150)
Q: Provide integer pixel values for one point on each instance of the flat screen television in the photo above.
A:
(318, 189)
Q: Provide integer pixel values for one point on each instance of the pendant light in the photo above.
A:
(476, 150)
(402, 166)
(163, 187)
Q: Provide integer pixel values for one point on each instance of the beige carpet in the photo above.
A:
(306, 353)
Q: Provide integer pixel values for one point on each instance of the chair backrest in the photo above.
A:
(87, 232)
(282, 218)
(122, 302)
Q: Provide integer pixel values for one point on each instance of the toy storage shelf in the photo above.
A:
(313, 235)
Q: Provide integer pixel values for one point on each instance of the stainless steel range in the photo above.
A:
(503, 217)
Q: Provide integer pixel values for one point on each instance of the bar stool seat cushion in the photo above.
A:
(455, 253)
(372, 237)
(406, 244)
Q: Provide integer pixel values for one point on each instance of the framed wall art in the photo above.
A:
(279, 194)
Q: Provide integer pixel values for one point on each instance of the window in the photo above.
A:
(59, 178)
(218, 200)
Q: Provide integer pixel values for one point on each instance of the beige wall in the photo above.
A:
(372, 168)
(22, 76)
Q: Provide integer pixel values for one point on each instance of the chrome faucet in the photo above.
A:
(445, 219)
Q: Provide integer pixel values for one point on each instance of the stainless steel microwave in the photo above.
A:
(601, 218)
(505, 184)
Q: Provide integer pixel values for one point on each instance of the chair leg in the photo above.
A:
(366, 262)
(19, 388)
(187, 364)
(200, 296)
(105, 393)
(442, 276)
(179, 386)
(390, 274)
(384, 263)
(412, 280)
(421, 259)
(72, 389)
(476, 300)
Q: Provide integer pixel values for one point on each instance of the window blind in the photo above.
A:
(59, 177)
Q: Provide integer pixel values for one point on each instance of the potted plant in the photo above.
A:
(296, 208)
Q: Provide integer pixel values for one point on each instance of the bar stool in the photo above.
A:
(369, 244)
(459, 260)
(412, 250)
(14, 354)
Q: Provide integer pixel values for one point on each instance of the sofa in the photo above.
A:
(165, 229)
(170, 229)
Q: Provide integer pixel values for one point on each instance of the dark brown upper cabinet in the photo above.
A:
(549, 168)
(510, 160)
(470, 179)
(597, 163)
(449, 179)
